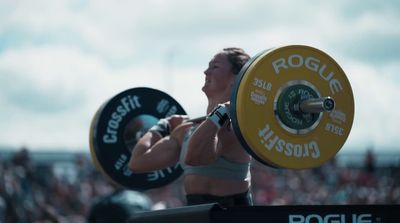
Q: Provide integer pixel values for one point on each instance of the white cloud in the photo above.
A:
(55, 76)
(376, 105)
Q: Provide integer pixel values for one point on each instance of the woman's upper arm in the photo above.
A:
(152, 153)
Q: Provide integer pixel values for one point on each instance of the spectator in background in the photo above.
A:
(49, 197)
(118, 206)
(22, 158)
(370, 161)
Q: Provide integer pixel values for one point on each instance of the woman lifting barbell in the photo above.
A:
(216, 167)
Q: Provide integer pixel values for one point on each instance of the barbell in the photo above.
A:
(291, 107)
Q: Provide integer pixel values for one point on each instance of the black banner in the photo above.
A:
(213, 213)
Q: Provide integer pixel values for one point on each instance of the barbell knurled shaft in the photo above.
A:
(198, 119)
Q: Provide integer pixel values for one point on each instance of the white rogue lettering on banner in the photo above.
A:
(330, 218)
(312, 64)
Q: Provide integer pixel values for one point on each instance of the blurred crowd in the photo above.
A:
(32, 191)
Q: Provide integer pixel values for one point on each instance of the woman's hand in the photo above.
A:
(176, 120)
(179, 132)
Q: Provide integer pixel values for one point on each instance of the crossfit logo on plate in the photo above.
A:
(127, 104)
(272, 141)
(159, 174)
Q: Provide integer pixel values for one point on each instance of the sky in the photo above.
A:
(60, 60)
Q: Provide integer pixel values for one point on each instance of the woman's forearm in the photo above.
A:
(202, 147)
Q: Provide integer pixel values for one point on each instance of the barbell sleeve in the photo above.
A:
(314, 105)
(317, 105)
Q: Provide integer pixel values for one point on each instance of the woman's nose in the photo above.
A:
(206, 72)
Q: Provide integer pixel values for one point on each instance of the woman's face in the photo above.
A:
(218, 75)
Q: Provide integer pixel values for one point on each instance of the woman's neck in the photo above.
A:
(214, 101)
